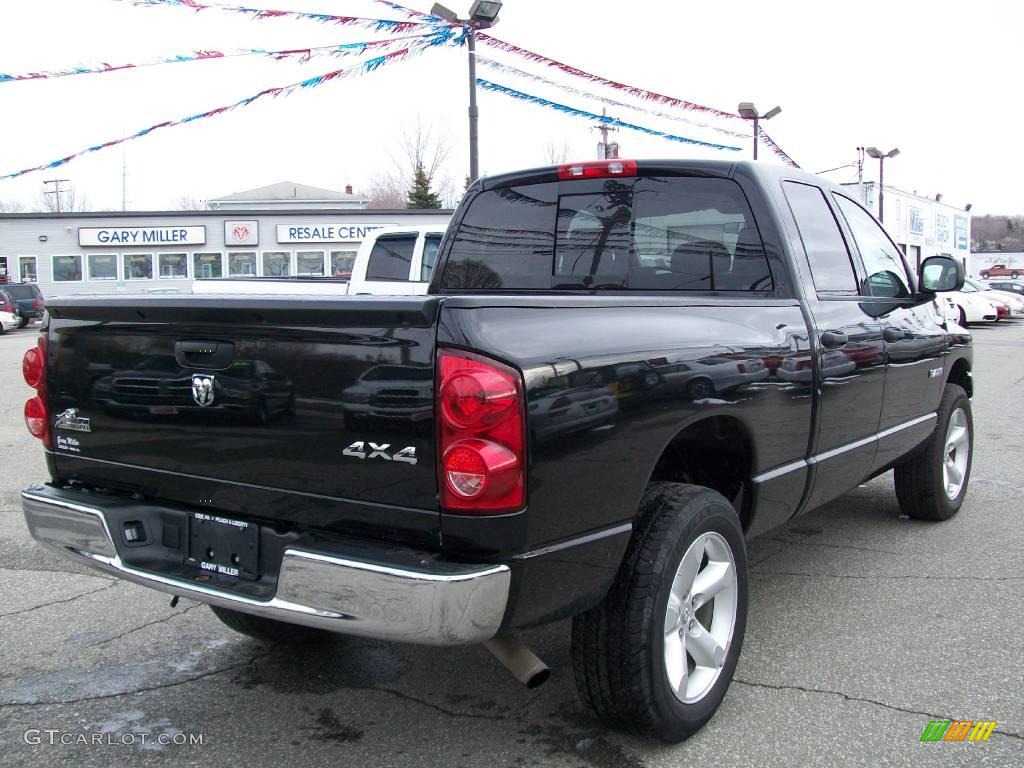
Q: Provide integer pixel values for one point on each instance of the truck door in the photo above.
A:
(847, 357)
(914, 335)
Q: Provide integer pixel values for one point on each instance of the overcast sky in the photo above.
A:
(940, 80)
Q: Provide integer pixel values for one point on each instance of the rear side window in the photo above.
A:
(826, 249)
(430, 245)
(391, 258)
(647, 233)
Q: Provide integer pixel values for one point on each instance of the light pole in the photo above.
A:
(748, 111)
(483, 14)
(877, 153)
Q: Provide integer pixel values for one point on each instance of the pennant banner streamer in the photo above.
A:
(362, 68)
(380, 25)
(488, 85)
(509, 70)
(431, 39)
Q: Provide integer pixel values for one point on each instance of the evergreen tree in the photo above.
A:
(420, 194)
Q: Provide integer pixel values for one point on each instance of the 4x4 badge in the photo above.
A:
(202, 389)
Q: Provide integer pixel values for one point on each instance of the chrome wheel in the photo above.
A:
(956, 454)
(700, 617)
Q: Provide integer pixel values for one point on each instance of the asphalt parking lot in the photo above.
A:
(863, 627)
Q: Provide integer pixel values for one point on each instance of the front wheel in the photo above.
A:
(658, 654)
(932, 484)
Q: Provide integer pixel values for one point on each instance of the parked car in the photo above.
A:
(1007, 286)
(1000, 270)
(1013, 303)
(968, 307)
(456, 523)
(8, 321)
(29, 301)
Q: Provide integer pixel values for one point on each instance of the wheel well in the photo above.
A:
(961, 376)
(716, 453)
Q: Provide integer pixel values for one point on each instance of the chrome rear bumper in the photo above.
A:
(443, 604)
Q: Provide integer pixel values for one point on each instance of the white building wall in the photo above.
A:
(48, 242)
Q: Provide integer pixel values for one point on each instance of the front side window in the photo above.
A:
(887, 274)
(102, 266)
(391, 258)
(67, 269)
(207, 265)
(242, 264)
(27, 269)
(309, 263)
(276, 263)
(824, 245)
(173, 265)
(138, 266)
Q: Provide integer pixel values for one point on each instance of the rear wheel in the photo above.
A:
(270, 630)
(22, 322)
(1015, 275)
(658, 654)
(984, 275)
(932, 484)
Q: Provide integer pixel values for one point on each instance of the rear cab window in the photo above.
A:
(391, 258)
(678, 233)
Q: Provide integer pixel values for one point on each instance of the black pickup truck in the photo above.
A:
(622, 372)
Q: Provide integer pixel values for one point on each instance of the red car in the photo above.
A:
(1000, 270)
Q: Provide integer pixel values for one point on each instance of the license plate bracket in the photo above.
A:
(221, 545)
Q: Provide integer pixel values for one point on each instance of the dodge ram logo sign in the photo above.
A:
(202, 389)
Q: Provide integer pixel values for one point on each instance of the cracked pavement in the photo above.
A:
(863, 627)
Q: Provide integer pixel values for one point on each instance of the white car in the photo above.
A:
(1013, 302)
(8, 322)
(966, 307)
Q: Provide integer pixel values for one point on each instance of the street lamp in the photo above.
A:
(483, 14)
(748, 111)
(880, 156)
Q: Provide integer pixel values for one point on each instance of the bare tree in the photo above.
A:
(555, 154)
(187, 203)
(11, 206)
(70, 200)
(420, 146)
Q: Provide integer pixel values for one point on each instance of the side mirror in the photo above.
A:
(941, 273)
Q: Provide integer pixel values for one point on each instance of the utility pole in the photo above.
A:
(124, 181)
(605, 150)
(56, 190)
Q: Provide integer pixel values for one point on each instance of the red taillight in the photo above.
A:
(35, 303)
(480, 435)
(596, 169)
(33, 368)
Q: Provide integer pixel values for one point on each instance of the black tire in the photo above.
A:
(984, 275)
(700, 388)
(22, 322)
(919, 481)
(270, 630)
(618, 648)
(1015, 275)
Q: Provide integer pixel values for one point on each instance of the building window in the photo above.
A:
(27, 269)
(207, 265)
(173, 265)
(309, 263)
(67, 269)
(276, 263)
(342, 262)
(242, 264)
(102, 266)
(138, 266)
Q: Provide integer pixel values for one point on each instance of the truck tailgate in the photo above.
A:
(314, 411)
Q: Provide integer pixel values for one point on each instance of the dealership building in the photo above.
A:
(281, 230)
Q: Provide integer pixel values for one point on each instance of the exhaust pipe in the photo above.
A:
(519, 660)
